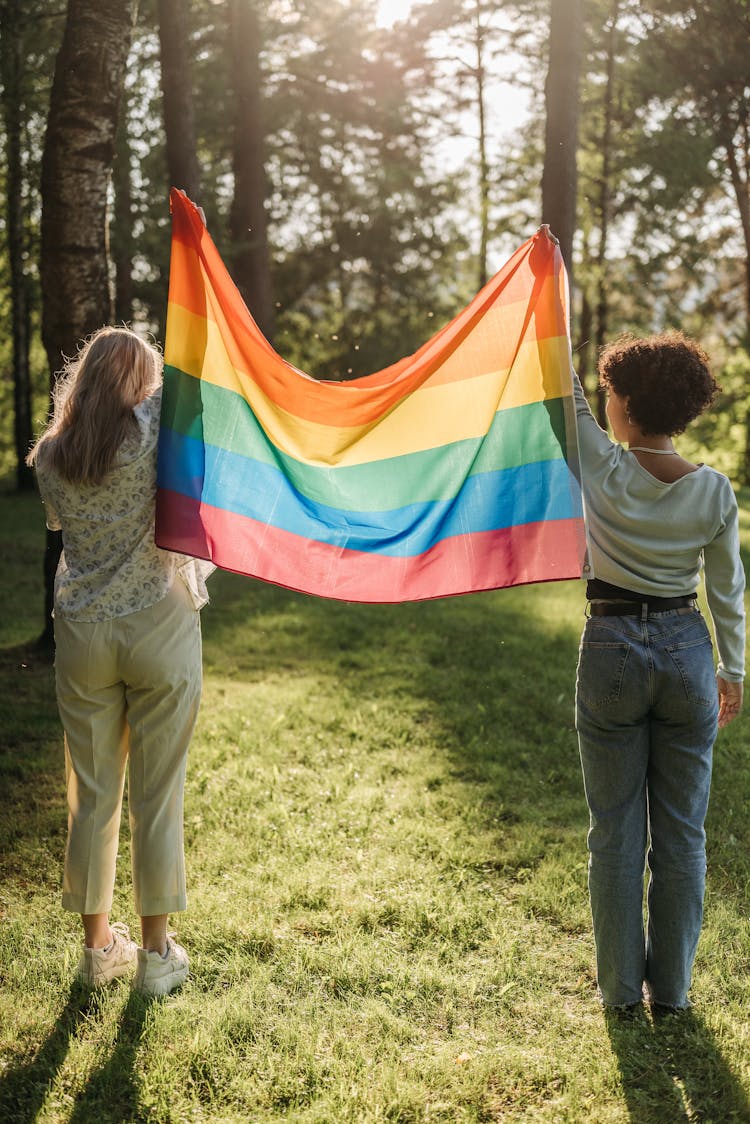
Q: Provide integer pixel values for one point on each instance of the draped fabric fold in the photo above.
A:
(451, 471)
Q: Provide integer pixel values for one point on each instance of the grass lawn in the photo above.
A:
(388, 919)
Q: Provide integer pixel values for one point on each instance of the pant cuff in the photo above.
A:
(76, 903)
(154, 907)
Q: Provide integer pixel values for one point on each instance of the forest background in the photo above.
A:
(389, 918)
(363, 170)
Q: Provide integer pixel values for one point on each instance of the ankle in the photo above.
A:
(97, 933)
(154, 933)
(100, 943)
(153, 946)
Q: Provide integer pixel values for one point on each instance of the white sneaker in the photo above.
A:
(98, 966)
(158, 975)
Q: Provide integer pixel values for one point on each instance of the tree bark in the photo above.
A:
(584, 345)
(484, 171)
(76, 167)
(741, 186)
(11, 75)
(605, 191)
(121, 240)
(559, 178)
(248, 225)
(179, 114)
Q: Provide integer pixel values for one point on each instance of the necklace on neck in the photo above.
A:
(659, 452)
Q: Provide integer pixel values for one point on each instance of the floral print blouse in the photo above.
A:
(110, 565)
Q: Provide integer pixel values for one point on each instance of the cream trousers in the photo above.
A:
(128, 691)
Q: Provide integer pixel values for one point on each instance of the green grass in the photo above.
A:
(388, 915)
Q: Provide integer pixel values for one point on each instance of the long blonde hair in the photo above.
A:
(93, 402)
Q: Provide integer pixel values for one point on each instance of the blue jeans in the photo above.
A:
(646, 715)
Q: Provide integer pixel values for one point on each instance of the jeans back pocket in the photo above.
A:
(694, 660)
(601, 669)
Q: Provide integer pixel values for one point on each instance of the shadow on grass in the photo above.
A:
(32, 811)
(110, 1093)
(672, 1069)
(23, 1088)
(495, 673)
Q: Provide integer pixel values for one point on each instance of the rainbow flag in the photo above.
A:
(451, 471)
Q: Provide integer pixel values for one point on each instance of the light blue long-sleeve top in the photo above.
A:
(654, 538)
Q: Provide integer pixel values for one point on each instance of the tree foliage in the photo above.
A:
(384, 166)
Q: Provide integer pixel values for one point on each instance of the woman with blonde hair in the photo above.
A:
(128, 654)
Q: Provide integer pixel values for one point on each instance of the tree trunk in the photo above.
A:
(559, 178)
(76, 166)
(250, 257)
(121, 238)
(179, 116)
(602, 299)
(585, 332)
(741, 186)
(484, 172)
(11, 73)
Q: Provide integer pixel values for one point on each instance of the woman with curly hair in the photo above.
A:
(128, 654)
(648, 700)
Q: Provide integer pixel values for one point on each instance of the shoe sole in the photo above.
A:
(102, 981)
(164, 986)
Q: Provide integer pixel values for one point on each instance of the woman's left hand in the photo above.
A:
(730, 701)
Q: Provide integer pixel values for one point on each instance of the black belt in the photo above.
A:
(641, 609)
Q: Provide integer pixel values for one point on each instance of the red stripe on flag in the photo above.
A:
(533, 552)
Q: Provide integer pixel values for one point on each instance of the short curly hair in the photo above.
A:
(666, 379)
